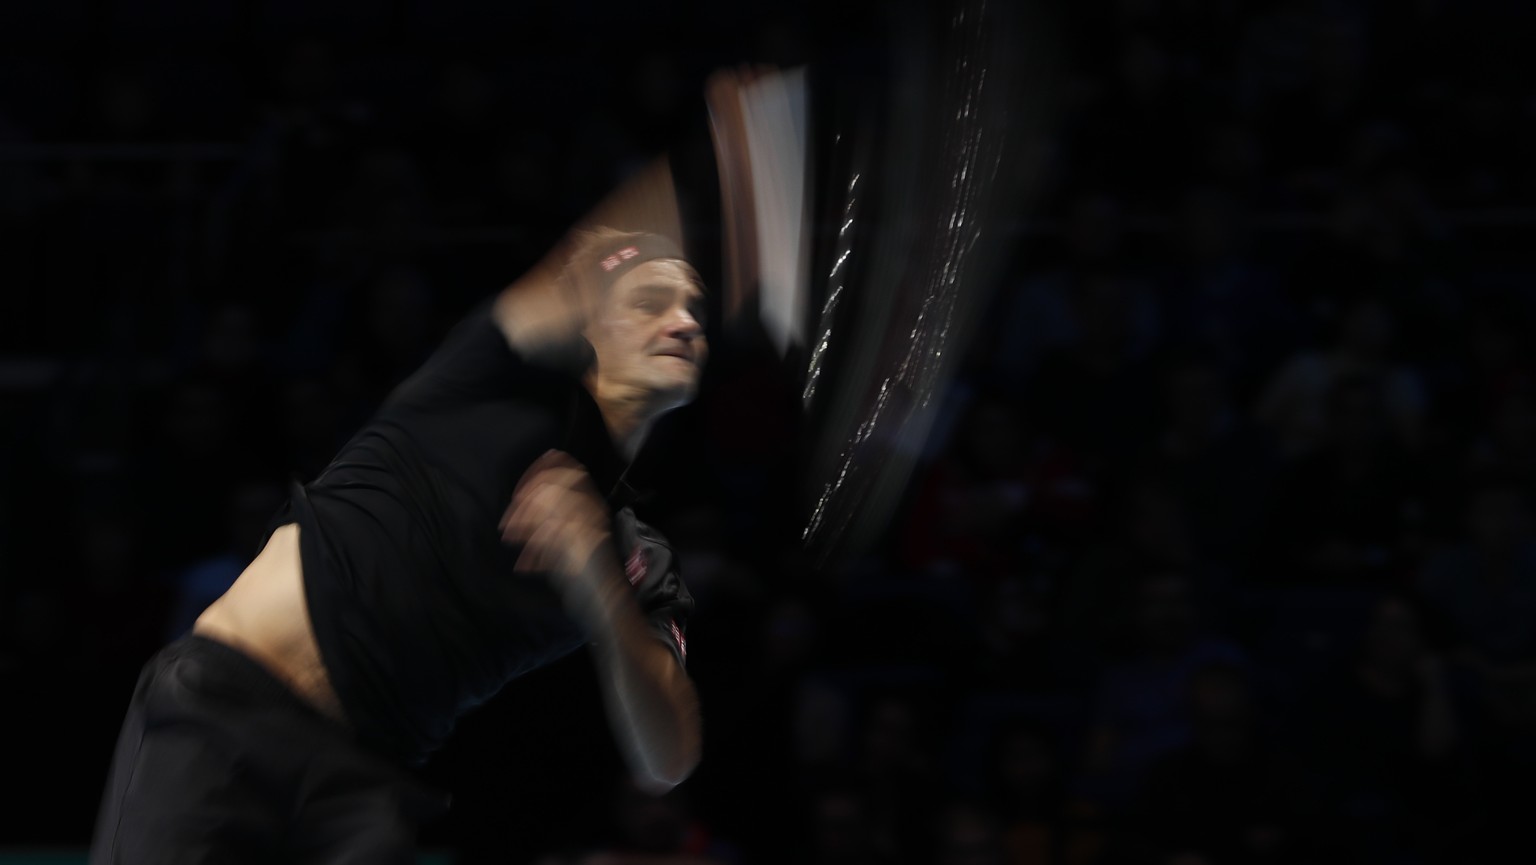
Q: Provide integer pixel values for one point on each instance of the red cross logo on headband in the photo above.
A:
(619, 257)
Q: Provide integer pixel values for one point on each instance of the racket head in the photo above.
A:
(930, 143)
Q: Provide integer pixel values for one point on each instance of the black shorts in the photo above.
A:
(218, 761)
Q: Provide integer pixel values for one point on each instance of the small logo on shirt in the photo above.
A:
(635, 566)
(618, 258)
(682, 643)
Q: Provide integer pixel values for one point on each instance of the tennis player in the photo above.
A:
(479, 526)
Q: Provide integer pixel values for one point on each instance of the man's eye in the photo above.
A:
(649, 305)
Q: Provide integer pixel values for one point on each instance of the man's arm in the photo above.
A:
(565, 530)
(542, 312)
(651, 702)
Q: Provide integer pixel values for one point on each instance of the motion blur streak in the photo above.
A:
(907, 281)
(834, 293)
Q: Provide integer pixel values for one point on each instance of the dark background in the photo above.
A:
(1222, 554)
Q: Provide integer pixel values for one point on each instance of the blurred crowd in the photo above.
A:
(1224, 553)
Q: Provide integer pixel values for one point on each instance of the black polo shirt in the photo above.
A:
(417, 609)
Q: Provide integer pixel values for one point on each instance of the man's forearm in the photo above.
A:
(651, 702)
(536, 316)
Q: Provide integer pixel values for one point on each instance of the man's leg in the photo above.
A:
(177, 792)
(357, 810)
(358, 827)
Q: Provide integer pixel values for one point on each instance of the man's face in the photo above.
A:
(648, 333)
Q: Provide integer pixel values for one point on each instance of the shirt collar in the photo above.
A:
(591, 444)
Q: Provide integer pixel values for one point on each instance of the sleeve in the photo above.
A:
(652, 569)
(476, 362)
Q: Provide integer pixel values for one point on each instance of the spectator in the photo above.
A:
(1386, 733)
(1092, 392)
(823, 730)
(840, 832)
(250, 510)
(1296, 403)
(308, 127)
(1210, 457)
(1227, 796)
(1484, 587)
(1234, 158)
(226, 351)
(1346, 514)
(458, 139)
(1000, 484)
(1141, 713)
(798, 725)
(968, 835)
(1015, 648)
(1025, 786)
(657, 830)
(898, 780)
(397, 329)
(310, 428)
(1492, 362)
(110, 595)
(1220, 296)
(1301, 65)
(1149, 532)
(1044, 313)
(1508, 443)
(192, 451)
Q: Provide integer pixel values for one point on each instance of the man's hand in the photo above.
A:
(562, 523)
(565, 530)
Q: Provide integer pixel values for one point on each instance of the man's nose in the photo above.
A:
(682, 325)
